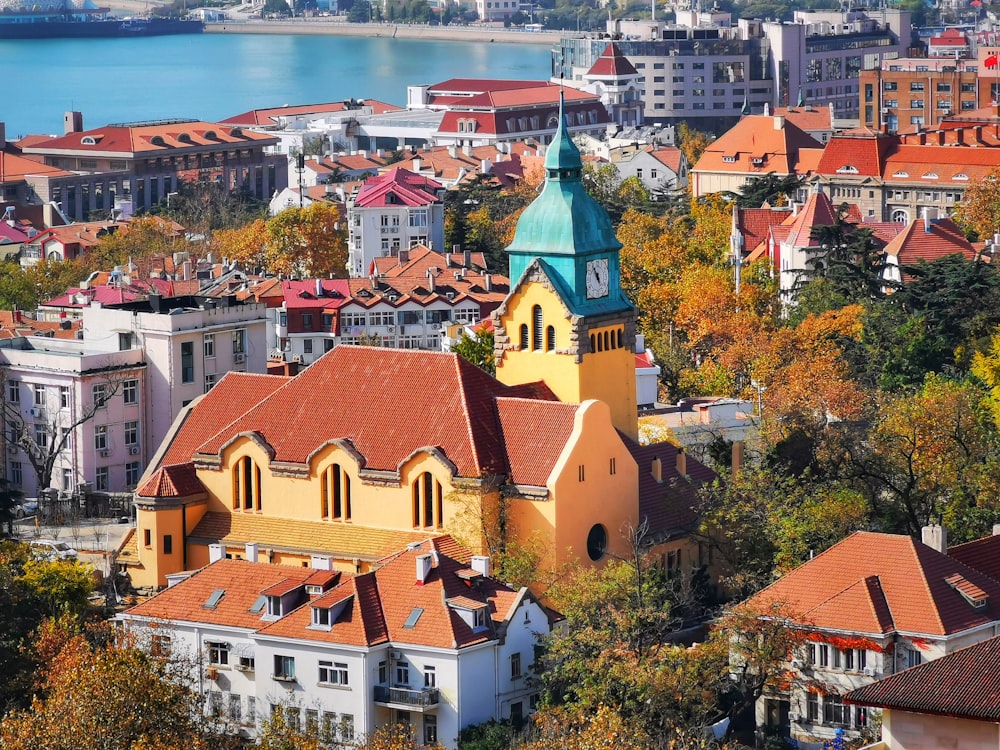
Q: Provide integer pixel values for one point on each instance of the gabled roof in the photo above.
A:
(612, 63)
(981, 554)
(818, 211)
(754, 223)
(758, 144)
(808, 118)
(273, 115)
(667, 505)
(929, 240)
(534, 434)
(233, 395)
(453, 412)
(398, 187)
(176, 480)
(825, 591)
(964, 684)
(16, 324)
(302, 293)
(15, 167)
(862, 154)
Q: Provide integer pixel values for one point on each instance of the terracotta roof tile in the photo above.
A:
(233, 395)
(612, 63)
(667, 505)
(929, 241)
(453, 411)
(273, 115)
(756, 146)
(406, 188)
(342, 540)
(912, 580)
(964, 684)
(153, 138)
(534, 433)
(866, 154)
(982, 555)
(177, 480)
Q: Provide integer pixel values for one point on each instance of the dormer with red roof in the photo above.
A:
(392, 212)
(619, 85)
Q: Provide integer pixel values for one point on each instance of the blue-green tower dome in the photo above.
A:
(565, 226)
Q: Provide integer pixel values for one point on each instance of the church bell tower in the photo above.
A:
(566, 320)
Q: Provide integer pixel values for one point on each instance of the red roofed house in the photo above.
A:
(426, 637)
(619, 85)
(370, 448)
(924, 240)
(757, 145)
(134, 166)
(391, 212)
(949, 702)
(480, 112)
(872, 605)
(67, 242)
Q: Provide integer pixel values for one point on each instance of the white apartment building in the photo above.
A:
(392, 212)
(52, 386)
(707, 71)
(188, 342)
(423, 639)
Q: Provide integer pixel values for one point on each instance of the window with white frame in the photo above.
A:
(240, 341)
(210, 381)
(382, 318)
(913, 658)
(354, 319)
(333, 673)
(130, 391)
(63, 397)
(347, 727)
(418, 217)
(215, 703)
(430, 676)
(14, 391)
(133, 470)
(235, 707)
(100, 437)
(430, 729)
(132, 433)
(834, 711)
(284, 667)
(99, 394)
(515, 666)
(402, 673)
(465, 315)
(208, 345)
(67, 479)
(102, 478)
(39, 395)
(218, 653)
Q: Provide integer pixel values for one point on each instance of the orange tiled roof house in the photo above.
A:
(369, 449)
(427, 638)
(871, 606)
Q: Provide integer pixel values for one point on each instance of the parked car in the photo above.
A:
(28, 507)
(53, 550)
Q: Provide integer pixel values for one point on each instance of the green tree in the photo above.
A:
(59, 586)
(767, 188)
(477, 349)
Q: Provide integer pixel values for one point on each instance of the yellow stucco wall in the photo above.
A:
(156, 563)
(605, 375)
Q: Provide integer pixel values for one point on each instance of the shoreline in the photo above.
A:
(323, 26)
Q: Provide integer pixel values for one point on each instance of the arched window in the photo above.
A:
(335, 489)
(900, 216)
(524, 336)
(621, 338)
(607, 342)
(428, 502)
(536, 328)
(550, 339)
(593, 343)
(246, 485)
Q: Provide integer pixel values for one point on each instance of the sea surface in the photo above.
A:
(214, 76)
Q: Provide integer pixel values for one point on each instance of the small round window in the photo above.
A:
(597, 542)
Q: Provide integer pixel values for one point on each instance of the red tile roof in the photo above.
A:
(668, 505)
(454, 410)
(302, 293)
(16, 324)
(808, 118)
(405, 188)
(756, 145)
(534, 434)
(865, 153)
(754, 223)
(272, 115)
(964, 684)
(929, 241)
(130, 140)
(176, 480)
(612, 63)
(980, 554)
(818, 211)
(825, 591)
(234, 394)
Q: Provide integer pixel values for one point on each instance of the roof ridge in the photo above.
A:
(917, 552)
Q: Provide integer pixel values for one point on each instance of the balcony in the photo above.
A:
(406, 699)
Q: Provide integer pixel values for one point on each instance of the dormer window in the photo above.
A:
(930, 176)
(157, 140)
(757, 161)
(902, 174)
(961, 176)
(88, 140)
(479, 619)
(321, 617)
(848, 169)
(729, 159)
(274, 606)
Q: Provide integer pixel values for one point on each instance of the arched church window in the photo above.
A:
(524, 336)
(246, 485)
(537, 325)
(428, 502)
(550, 339)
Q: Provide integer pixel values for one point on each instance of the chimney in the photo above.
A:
(404, 257)
(467, 149)
(252, 549)
(155, 302)
(927, 219)
(996, 529)
(657, 469)
(977, 133)
(468, 259)
(935, 536)
(430, 279)
(485, 166)
(3, 135)
(423, 568)
(767, 109)
(737, 462)
(682, 462)
(72, 122)
(481, 564)
(453, 151)
(960, 136)
(186, 270)
(940, 137)
(416, 163)
(488, 281)
(779, 122)
(321, 562)
(319, 287)
(216, 552)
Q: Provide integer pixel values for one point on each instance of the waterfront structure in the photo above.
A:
(369, 449)
(426, 638)
(188, 342)
(708, 71)
(392, 212)
(868, 616)
(133, 166)
(53, 385)
(910, 94)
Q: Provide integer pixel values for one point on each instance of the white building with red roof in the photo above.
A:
(619, 85)
(482, 112)
(391, 212)
(426, 637)
(871, 606)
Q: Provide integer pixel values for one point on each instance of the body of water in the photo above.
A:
(213, 76)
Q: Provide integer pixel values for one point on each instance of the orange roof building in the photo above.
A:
(427, 636)
(871, 606)
(370, 448)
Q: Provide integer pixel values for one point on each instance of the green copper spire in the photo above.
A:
(564, 219)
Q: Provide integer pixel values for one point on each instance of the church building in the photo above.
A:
(369, 450)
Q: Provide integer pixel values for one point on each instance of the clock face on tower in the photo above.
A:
(597, 278)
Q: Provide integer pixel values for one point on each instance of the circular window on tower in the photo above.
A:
(597, 542)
